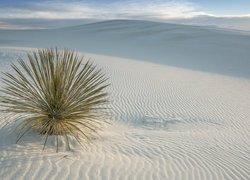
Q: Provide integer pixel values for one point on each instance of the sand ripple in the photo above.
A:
(168, 123)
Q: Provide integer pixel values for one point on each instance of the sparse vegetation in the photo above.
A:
(54, 93)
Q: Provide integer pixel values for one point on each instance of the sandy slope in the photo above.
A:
(198, 48)
(168, 122)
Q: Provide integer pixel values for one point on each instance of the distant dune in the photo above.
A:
(180, 103)
(198, 48)
(230, 22)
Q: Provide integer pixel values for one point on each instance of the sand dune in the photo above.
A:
(169, 120)
(193, 47)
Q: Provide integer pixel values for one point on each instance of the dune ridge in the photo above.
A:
(206, 49)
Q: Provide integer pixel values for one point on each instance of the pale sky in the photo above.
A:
(115, 9)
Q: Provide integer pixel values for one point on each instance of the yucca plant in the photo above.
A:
(55, 94)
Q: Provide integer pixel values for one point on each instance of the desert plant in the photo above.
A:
(54, 93)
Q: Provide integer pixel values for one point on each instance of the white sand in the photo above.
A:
(182, 119)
